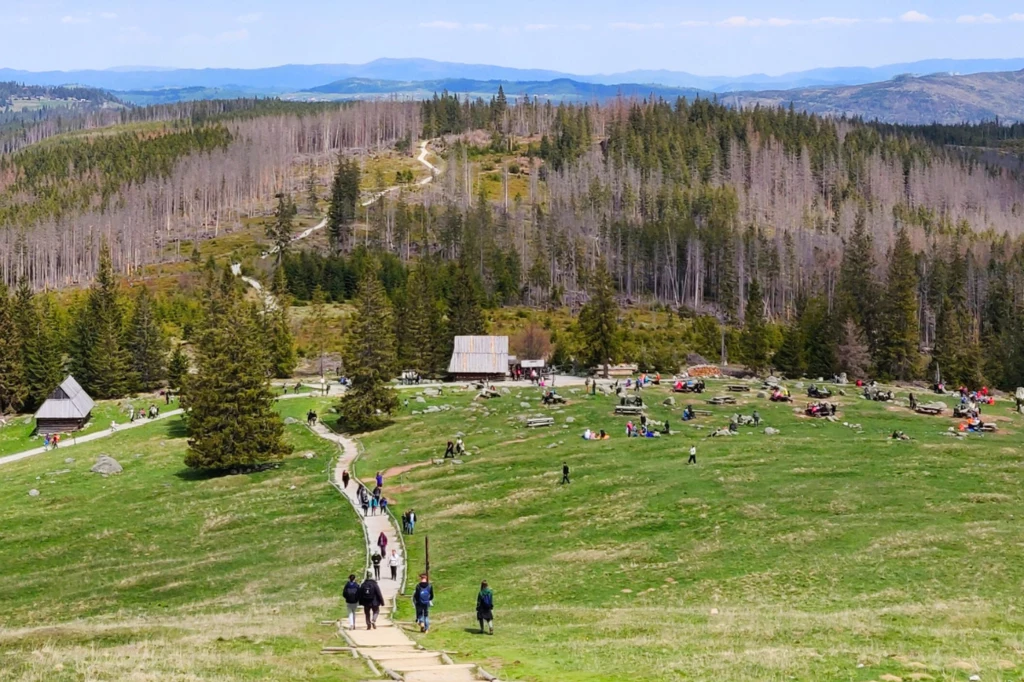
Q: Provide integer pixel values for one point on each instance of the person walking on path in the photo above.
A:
(351, 595)
(344, 479)
(371, 599)
(380, 480)
(375, 560)
(393, 563)
(373, 506)
(693, 455)
(423, 599)
(565, 474)
(412, 522)
(382, 543)
(365, 502)
(485, 608)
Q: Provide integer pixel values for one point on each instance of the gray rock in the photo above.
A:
(669, 402)
(762, 395)
(433, 409)
(800, 385)
(553, 445)
(291, 420)
(69, 460)
(416, 412)
(431, 392)
(106, 465)
(309, 455)
(420, 399)
(33, 493)
(524, 405)
(570, 420)
(505, 390)
(771, 432)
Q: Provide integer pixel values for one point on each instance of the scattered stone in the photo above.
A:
(714, 612)
(570, 420)
(574, 391)
(553, 445)
(771, 432)
(62, 472)
(291, 420)
(627, 591)
(309, 455)
(842, 392)
(669, 402)
(33, 493)
(505, 390)
(890, 678)
(106, 465)
(69, 460)
(832, 419)
(525, 405)
(291, 488)
(800, 385)
(722, 432)
(975, 678)
(431, 392)
(416, 412)
(433, 409)
(671, 580)
(420, 399)
(762, 395)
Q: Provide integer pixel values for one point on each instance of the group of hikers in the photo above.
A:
(645, 429)
(151, 412)
(51, 442)
(821, 409)
(454, 449)
(372, 503)
(311, 418)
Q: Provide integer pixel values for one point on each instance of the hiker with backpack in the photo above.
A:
(371, 599)
(351, 595)
(423, 599)
(485, 608)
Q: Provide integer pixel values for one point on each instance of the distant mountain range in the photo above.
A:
(940, 98)
(296, 77)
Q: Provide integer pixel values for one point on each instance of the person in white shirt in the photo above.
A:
(394, 561)
(693, 455)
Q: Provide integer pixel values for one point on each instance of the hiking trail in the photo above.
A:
(389, 649)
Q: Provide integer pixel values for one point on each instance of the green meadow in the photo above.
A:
(827, 552)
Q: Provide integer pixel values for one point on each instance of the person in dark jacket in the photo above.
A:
(485, 608)
(371, 599)
(376, 558)
(351, 595)
(423, 599)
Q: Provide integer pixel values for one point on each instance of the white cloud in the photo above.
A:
(783, 22)
(69, 19)
(836, 21)
(978, 19)
(250, 18)
(1016, 17)
(915, 17)
(740, 22)
(631, 26)
(694, 24)
(443, 25)
(540, 27)
(233, 36)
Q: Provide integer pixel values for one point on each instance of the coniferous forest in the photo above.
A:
(814, 245)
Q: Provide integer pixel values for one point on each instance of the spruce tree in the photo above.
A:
(853, 354)
(599, 320)
(44, 359)
(370, 357)
(13, 390)
(421, 329)
(858, 291)
(230, 417)
(177, 368)
(146, 343)
(318, 323)
(344, 202)
(789, 359)
(755, 333)
(465, 313)
(279, 341)
(279, 230)
(100, 361)
(820, 334)
(897, 354)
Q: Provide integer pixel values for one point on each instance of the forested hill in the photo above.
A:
(11, 93)
(938, 98)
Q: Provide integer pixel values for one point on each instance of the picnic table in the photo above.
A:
(932, 409)
(536, 422)
(632, 410)
(738, 389)
(722, 400)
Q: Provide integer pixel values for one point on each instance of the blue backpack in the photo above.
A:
(487, 599)
(423, 596)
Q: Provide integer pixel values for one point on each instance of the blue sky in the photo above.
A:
(729, 37)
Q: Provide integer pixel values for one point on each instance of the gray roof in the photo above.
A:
(479, 355)
(68, 401)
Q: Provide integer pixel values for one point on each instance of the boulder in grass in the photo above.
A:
(771, 432)
(669, 402)
(291, 420)
(106, 466)
(33, 493)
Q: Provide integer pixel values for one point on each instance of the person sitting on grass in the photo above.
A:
(668, 429)
(688, 413)
(899, 435)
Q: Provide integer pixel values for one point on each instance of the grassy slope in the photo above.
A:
(17, 435)
(157, 574)
(821, 549)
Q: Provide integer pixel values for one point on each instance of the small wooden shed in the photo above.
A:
(479, 358)
(67, 409)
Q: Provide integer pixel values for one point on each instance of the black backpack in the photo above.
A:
(366, 594)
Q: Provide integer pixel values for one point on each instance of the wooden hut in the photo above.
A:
(67, 409)
(479, 358)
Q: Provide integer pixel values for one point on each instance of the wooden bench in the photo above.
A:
(933, 411)
(702, 413)
(738, 389)
(632, 410)
(537, 422)
(722, 400)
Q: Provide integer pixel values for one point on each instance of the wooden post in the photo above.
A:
(426, 545)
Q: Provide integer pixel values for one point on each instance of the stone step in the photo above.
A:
(395, 653)
(471, 667)
(448, 673)
(376, 638)
(403, 665)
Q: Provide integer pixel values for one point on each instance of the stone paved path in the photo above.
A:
(389, 647)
